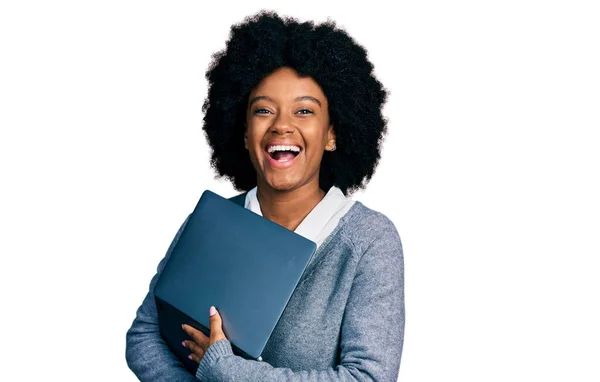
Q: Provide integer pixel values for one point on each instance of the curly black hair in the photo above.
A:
(265, 42)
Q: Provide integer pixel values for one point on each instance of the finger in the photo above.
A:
(194, 358)
(196, 335)
(216, 326)
(194, 348)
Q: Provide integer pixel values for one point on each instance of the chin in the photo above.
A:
(282, 184)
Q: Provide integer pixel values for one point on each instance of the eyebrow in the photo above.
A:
(308, 98)
(302, 98)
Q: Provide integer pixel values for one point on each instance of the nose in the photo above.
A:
(283, 124)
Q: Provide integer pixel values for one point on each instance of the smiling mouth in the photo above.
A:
(283, 153)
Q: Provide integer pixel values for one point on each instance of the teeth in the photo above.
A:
(272, 149)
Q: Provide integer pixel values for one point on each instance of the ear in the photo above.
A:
(246, 137)
(330, 138)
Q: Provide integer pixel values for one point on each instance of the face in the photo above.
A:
(287, 130)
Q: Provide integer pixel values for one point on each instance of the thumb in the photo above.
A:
(216, 326)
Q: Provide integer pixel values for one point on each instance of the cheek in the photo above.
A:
(316, 137)
(253, 142)
(252, 136)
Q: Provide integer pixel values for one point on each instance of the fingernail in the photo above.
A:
(190, 356)
(183, 343)
(212, 311)
(182, 327)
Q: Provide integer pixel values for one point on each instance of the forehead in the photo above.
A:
(286, 83)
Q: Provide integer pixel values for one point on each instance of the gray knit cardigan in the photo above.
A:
(344, 321)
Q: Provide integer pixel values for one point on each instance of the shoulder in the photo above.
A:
(365, 227)
(378, 249)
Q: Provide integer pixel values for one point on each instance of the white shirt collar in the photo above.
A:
(321, 221)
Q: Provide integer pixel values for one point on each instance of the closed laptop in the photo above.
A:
(243, 264)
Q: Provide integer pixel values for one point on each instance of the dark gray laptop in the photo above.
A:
(243, 264)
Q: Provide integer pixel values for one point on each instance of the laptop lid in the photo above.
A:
(240, 262)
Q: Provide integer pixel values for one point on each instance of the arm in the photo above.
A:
(147, 354)
(372, 329)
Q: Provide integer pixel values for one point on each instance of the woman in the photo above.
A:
(293, 117)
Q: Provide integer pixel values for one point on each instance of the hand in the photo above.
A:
(200, 343)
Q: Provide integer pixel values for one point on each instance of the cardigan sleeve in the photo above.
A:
(148, 356)
(372, 332)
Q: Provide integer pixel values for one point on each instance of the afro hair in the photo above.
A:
(265, 42)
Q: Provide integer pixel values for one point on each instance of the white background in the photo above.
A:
(490, 172)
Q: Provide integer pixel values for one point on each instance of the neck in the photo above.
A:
(288, 208)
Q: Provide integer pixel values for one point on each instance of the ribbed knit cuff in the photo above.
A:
(214, 351)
